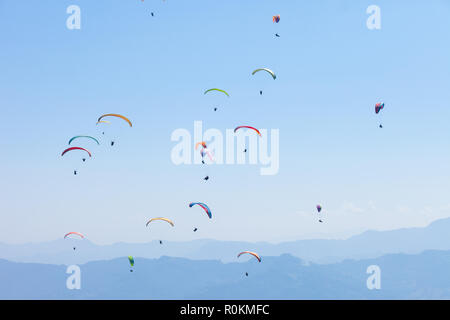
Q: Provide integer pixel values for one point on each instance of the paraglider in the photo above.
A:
(378, 107)
(267, 70)
(204, 151)
(75, 148)
(247, 127)
(74, 233)
(276, 19)
(115, 115)
(88, 137)
(219, 90)
(160, 241)
(319, 208)
(203, 206)
(252, 253)
(195, 229)
(206, 178)
(162, 219)
(131, 260)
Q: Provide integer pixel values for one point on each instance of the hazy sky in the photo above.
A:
(331, 70)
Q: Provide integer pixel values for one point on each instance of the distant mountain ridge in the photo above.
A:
(370, 244)
(421, 276)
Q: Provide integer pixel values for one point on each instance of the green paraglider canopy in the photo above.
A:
(267, 70)
(215, 89)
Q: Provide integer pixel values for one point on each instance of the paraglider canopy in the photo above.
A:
(267, 70)
(75, 148)
(203, 206)
(378, 107)
(319, 208)
(247, 127)
(216, 89)
(276, 18)
(162, 219)
(252, 253)
(73, 233)
(89, 137)
(115, 115)
(202, 143)
(131, 260)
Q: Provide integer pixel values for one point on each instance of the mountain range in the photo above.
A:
(368, 245)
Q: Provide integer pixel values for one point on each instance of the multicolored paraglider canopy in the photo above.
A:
(248, 127)
(202, 143)
(73, 233)
(378, 107)
(252, 253)
(203, 206)
(276, 18)
(131, 260)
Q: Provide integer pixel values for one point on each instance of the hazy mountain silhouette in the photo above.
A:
(370, 244)
(422, 276)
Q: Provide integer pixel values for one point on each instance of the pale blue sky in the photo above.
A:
(331, 70)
